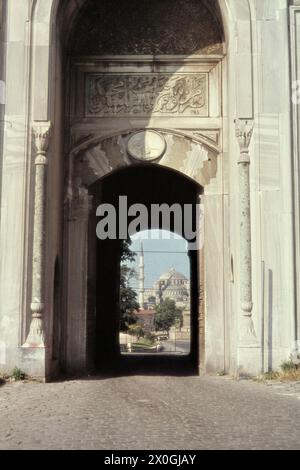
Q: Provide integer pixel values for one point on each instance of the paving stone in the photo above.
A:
(145, 412)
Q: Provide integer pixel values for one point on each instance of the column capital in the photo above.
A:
(243, 133)
(41, 133)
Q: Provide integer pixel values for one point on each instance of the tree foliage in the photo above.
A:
(128, 297)
(167, 315)
(136, 330)
(126, 253)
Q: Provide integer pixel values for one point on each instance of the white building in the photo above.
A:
(170, 285)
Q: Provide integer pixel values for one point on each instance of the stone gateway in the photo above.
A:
(169, 101)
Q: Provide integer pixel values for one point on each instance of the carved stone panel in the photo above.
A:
(181, 94)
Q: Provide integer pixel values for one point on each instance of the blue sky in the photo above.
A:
(162, 250)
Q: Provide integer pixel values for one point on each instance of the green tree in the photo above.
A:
(167, 315)
(126, 253)
(136, 330)
(128, 297)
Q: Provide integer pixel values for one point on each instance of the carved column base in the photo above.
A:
(247, 335)
(36, 336)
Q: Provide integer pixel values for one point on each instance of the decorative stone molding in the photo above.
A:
(244, 131)
(194, 161)
(196, 158)
(206, 137)
(36, 336)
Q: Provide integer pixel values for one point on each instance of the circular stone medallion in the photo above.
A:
(146, 145)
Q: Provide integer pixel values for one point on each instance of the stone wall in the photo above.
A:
(2, 77)
(16, 175)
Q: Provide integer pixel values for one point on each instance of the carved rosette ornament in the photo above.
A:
(146, 145)
(36, 336)
(244, 131)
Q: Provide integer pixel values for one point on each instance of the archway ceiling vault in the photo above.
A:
(142, 27)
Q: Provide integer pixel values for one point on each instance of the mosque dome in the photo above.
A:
(172, 274)
(174, 285)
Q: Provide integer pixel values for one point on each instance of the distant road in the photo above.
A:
(180, 346)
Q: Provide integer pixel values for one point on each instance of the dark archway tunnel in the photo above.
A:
(144, 184)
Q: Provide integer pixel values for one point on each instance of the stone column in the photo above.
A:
(247, 336)
(76, 282)
(36, 337)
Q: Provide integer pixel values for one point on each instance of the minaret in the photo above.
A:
(141, 278)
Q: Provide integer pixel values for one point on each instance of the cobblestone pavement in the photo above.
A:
(143, 412)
